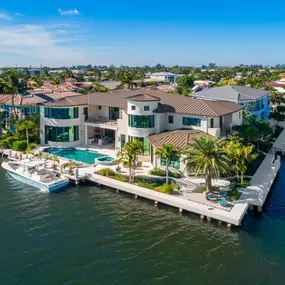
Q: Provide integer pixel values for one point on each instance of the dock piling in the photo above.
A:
(155, 203)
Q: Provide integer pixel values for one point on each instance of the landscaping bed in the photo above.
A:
(152, 183)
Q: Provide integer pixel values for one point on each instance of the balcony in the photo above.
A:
(102, 122)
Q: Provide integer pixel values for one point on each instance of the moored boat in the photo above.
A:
(33, 173)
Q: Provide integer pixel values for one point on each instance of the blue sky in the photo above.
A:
(187, 32)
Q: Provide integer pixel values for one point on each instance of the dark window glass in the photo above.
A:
(99, 107)
(170, 119)
(174, 162)
(146, 108)
(61, 134)
(141, 121)
(61, 113)
(211, 123)
(133, 107)
(191, 122)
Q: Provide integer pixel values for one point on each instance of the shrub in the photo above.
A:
(157, 172)
(162, 172)
(234, 195)
(120, 178)
(31, 146)
(165, 188)
(175, 174)
(107, 172)
(8, 142)
(19, 145)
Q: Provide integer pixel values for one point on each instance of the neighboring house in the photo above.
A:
(278, 85)
(110, 84)
(28, 105)
(164, 77)
(254, 100)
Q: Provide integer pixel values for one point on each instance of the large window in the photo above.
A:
(61, 113)
(114, 113)
(174, 162)
(141, 121)
(191, 122)
(145, 142)
(61, 134)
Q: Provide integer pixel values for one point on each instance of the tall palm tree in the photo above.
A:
(36, 82)
(12, 82)
(67, 73)
(240, 155)
(168, 151)
(206, 156)
(126, 78)
(128, 156)
(55, 81)
(27, 125)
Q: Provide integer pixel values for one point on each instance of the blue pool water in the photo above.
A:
(75, 154)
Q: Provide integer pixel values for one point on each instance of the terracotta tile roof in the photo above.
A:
(39, 97)
(178, 138)
(142, 97)
(70, 101)
(27, 100)
(171, 103)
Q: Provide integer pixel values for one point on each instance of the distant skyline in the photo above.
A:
(59, 33)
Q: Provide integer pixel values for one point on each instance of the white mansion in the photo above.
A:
(70, 120)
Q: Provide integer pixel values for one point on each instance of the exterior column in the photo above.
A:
(86, 135)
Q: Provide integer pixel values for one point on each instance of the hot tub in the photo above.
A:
(105, 160)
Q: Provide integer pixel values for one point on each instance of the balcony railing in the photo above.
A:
(101, 121)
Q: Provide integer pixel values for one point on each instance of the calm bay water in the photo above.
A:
(88, 235)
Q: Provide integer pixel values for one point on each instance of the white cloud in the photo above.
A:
(5, 16)
(68, 12)
(34, 45)
(61, 31)
(18, 14)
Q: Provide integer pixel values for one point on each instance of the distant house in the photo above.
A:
(278, 85)
(164, 77)
(255, 101)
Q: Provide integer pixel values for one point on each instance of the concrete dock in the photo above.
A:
(232, 217)
(262, 180)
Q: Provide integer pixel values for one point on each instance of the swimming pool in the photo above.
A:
(75, 154)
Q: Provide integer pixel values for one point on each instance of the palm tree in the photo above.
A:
(55, 81)
(70, 164)
(168, 151)
(205, 156)
(240, 155)
(54, 160)
(67, 73)
(29, 124)
(36, 82)
(128, 156)
(127, 78)
(12, 82)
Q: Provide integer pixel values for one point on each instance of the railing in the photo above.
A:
(101, 120)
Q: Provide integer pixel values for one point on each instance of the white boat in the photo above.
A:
(33, 173)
